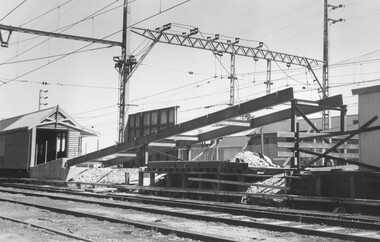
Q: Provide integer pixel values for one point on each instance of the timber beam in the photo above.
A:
(251, 106)
(331, 102)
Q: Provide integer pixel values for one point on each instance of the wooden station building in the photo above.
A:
(39, 137)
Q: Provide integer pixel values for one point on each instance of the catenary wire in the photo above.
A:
(12, 10)
(40, 67)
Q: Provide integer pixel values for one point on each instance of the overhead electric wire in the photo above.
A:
(12, 10)
(281, 16)
(64, 29)
(40, 67)
(63, 84)
(52, 56)
(94, 110)
(47, 12)
(152, 16)
(173, 89)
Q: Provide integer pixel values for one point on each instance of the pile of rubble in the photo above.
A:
(273, 181)
(267, 186)
(253, 159)
(107, 175)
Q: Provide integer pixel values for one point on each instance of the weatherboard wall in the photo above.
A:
(369, 141)
(73, 144)
(15, 151)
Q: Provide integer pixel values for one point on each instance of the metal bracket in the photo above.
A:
(4, 43)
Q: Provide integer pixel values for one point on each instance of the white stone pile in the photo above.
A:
(253, 159)
(106, 175)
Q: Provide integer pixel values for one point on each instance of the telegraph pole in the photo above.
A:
(124, 63)
(42, 97)
(125, 66)
(232, 80)
(325, 71)
(326, 119)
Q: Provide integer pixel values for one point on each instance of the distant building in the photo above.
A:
(39, 137)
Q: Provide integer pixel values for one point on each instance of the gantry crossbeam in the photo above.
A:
(57, 35)
(222, 47)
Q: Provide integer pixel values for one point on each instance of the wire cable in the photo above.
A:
(62, 84)
(40, 67)
(62, 30)
(12, 10)
(47, 12)
(52, 56)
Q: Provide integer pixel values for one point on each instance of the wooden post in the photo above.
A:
(262, 140)
(343, 118)
(352, 186)
(296, 147)
(293, 120)
(343, 125)
(184, 183)
(146, 155)
(200, 186)
(141, 178)
(152, 179)
(318, 185)
(219, 186)
(127, 178)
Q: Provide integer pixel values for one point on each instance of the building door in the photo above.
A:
(50, 145)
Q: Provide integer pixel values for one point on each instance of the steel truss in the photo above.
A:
(221, 47)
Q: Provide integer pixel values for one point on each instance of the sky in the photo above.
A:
(81, 77)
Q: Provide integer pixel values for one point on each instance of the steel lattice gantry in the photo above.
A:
(229, 47)
(221, 47)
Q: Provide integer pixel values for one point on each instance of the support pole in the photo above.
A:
(343, 118)
(326, 124)
(293, 120)
(269, 78)
(232, 80)
(296, 147)
(124, 72)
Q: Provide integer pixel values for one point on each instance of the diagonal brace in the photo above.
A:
(376, 168)
(307, 119)
(342, 141)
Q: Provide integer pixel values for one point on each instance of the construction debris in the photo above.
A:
(107, 176)
(275, 181)
(253, 159)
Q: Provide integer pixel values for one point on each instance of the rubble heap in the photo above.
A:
(253, 159)
(257, 160)
(106, 175)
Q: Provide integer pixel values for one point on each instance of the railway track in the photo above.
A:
(338, 226)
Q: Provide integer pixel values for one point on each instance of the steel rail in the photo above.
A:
(316, 217)
(147, 226)
(46, 228)
(231, 221)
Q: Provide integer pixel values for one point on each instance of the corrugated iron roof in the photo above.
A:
(26, 121)
(30, 120)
